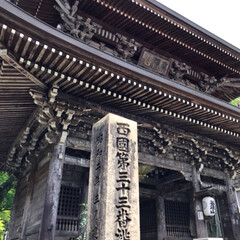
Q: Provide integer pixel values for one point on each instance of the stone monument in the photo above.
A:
(113, 198)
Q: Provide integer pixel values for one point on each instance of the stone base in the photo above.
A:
(208, 239)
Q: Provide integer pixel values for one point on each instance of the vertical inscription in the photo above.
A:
(123, 182)
(113, 184)
(96, 187)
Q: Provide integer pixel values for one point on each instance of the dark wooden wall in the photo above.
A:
(36, 208)
(28, 207)
(28, 204)
(148, 219)
(74, 182)
(18, 209)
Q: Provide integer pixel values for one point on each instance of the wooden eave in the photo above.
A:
(153, 24)
(158, 28)
(16, 105)
(81, 71)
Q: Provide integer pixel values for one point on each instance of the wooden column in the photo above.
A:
(83, 200)
(12, 231)
(113, 199)
(233, 208)
(48, 224)
(201, 225)
(161, 223)
(30, 188)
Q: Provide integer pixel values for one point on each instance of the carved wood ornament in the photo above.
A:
(55, 116)
(183, 73)
(171, 144)
(85, 30)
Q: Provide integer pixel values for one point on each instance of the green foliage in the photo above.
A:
(235, 101)
(4, 219)
(8, 200)
(3, 177)
(83, 221)
(2, 229)
(6, 203)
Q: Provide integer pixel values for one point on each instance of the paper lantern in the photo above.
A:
(209, 206)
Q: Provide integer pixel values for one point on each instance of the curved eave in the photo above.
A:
(154, 26)
(193, 25)
(174, 98)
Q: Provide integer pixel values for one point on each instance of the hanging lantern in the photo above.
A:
(209, 206)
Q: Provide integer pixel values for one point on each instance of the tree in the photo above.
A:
(5, 187)
(7, 192)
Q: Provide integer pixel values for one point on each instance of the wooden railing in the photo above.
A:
(178, 231)
(67, 224)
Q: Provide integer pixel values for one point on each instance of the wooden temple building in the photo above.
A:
(64, 66)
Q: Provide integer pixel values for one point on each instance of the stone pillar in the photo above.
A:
(48, 224)
(113, 197)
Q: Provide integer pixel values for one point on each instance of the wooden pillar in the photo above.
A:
(161, 223)
(48, 224)
(113, 199)
(233, 208)
(30, 188)
(201, 225)
(83, 200)
(12, 231)
(192, 224)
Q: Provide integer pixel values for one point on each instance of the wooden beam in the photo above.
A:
(148, 159)
(162, 181)
(82, 162)
(177, 188)
(213, 173)
(148, 193)
(171, 178)
(164, 163)
(143, 157)
(79, 144)
(9, 57)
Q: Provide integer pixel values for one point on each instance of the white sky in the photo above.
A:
(221, 17)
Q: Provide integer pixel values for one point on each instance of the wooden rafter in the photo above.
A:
(11, 59)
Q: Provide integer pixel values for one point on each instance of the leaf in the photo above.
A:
(3, 177)
(2, 228)
(7, 192)
(4, 219)
(235, 101)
